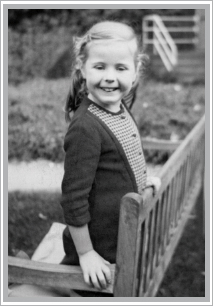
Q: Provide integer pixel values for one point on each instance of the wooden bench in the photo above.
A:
(149, 231)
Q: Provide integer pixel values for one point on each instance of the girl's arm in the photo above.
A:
(95, 268)
(83, 148)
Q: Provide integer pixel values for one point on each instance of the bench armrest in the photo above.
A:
(24, 271)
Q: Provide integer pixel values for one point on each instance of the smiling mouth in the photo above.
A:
(108, 89)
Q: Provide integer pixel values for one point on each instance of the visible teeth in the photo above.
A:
(108, 89)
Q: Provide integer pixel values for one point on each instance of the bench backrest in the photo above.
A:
(150, 228)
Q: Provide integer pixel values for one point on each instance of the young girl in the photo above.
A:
(104, 157)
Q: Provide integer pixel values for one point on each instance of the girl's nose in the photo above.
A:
(109, 81)
(109, 76)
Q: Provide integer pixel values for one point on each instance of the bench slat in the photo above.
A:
(49, 275)
(166, 258)
(159, 144)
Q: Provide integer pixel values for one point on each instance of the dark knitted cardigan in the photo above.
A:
(97, 175)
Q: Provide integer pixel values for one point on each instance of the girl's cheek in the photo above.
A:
(95, 75)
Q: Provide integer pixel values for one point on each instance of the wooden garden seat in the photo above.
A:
(149, 231)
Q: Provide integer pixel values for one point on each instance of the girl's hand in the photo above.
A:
(154, 182)
(96, 270)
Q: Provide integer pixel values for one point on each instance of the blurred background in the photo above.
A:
(170, 101)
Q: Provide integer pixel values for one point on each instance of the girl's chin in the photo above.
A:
(106, 98)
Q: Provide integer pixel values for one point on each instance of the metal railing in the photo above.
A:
(182, 27)
(162, 42)
(175, 24)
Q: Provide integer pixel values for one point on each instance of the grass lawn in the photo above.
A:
(31, 215)
(36, 125)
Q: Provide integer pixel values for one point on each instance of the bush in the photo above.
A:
(34, 52)
(168, 110)
(36, 38)
(36, 120)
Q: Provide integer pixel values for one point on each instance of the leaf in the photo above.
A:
(41, 216)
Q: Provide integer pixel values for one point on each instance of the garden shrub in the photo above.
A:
(36, 38)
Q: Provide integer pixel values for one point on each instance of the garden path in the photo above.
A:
(43, 175)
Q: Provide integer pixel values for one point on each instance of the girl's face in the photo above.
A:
(109, 72)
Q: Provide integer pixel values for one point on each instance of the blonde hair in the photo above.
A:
(101, 31)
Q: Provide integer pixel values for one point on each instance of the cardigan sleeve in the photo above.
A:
(82, 147)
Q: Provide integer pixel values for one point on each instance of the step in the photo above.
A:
(182, 65)
(196, 58)
(192, 54)
(198, 62)
(190, 67)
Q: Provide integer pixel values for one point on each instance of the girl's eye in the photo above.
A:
(121, 68)
(99, 67)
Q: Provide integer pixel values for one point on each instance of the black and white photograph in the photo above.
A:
(107, 171)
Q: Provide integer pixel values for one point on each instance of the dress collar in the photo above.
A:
(121, 111)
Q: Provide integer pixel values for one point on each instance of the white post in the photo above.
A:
(154, 38)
